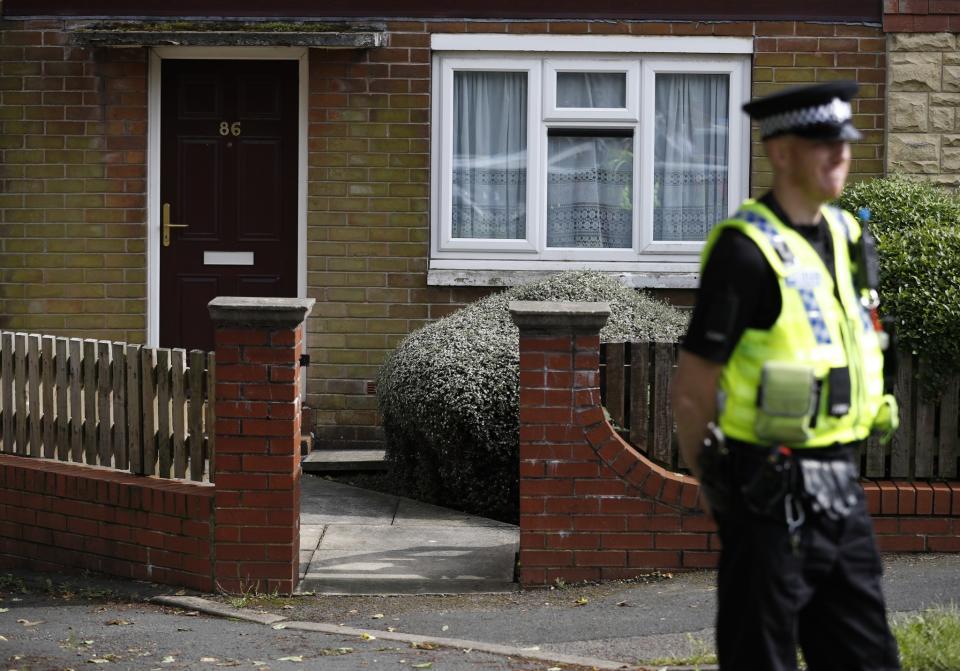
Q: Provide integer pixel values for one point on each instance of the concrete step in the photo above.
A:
(335, 460)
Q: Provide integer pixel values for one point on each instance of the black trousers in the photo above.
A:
(825, 595)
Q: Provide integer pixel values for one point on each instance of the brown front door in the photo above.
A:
(228, 187)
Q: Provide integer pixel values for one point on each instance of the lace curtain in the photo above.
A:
(490, 155)
(690, 155)
(589, 190)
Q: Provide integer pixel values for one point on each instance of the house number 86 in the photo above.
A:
(230, 128)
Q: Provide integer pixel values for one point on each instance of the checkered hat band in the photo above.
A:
(835, 112)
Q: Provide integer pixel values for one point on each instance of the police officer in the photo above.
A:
(780, 376)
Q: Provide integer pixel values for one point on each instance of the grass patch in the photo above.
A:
(929, 640)
(251, 597)
(700, 652)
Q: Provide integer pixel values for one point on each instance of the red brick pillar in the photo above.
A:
(257, 466)
(591, 506)
(559, 379)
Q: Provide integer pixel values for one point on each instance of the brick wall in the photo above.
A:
(56, 516)
(240, 534)
(72, 185)
(592, 507)
(790, 54)
(72, 169)
(921, 16)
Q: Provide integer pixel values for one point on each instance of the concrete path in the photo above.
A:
(356, 541)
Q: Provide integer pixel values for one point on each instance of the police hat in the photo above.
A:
(818, 112)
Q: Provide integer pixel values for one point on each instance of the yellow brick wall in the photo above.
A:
(72, 185)
(72, 171)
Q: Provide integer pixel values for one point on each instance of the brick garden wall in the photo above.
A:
(240, 534)
(593, 508)
(55, 516)
(72, 169)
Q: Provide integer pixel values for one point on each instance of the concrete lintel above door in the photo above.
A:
(227, 34)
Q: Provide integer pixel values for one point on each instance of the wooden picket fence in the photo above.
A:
(926, 447)
(128, 407)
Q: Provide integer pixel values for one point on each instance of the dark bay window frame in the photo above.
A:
(646, 262)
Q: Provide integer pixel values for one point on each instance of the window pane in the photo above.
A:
(590, 189)
(690, 155)
(592, 89)
(489, 155)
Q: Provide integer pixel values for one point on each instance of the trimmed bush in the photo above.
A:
(449, 394)
(917, 226)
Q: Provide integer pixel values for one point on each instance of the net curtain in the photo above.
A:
(490, 155)
(690, 155)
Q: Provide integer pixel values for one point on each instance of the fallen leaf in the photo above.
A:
(367, 637)
(425, 665)
(377, 616)
(118, 623)
(333, 652)
(582, 601)
(291, 658)
(424, 645)
(28, 623)
(169, 659)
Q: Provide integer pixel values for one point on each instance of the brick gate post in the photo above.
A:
(257, 462)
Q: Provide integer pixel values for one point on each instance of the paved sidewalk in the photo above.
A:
(357, 541)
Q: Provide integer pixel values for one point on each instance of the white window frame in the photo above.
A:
(647, 263)
(445, 168)
(630, 69)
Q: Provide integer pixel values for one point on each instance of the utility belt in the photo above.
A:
(819, 480)
(780, 484)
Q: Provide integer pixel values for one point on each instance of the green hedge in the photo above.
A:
(917, 226)
(449, 393)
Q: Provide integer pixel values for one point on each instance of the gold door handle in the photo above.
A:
(167, 225)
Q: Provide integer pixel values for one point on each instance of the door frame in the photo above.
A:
(154, 93)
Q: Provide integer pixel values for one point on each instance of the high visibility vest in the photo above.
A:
(820, 326)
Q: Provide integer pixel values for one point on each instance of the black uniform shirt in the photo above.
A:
(739, 290)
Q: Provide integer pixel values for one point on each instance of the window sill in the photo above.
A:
(640, 279)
